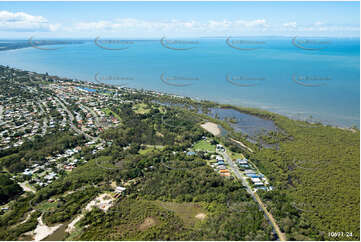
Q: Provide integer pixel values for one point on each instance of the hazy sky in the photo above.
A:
(178, 19)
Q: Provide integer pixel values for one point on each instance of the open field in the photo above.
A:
(150, 148)
(140, 108)
(204, 145)
(190, 213)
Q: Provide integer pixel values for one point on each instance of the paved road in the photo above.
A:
(71, 117)
(45, 122)
(254, 195)
(235, 170)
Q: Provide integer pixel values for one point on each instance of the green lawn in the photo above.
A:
(109, 112)
(47, 206)
(204, 145)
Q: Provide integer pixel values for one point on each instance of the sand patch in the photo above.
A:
(27, 217)
(201, 216)
(103, 202)
(26, 187)
(148, 222)
(71, 226)
(212, 128)
(42, 230)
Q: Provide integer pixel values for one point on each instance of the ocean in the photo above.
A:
(313, 79)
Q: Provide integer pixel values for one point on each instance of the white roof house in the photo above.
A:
(27, 172)
(242, 161)
(120, 189)
(256, 180)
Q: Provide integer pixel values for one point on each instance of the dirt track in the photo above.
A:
(281, 235)
(241, 144)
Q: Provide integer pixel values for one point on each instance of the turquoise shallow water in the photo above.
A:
(268, 73)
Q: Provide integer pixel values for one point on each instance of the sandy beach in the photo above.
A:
(212, 128)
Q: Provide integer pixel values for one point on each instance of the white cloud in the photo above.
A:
(253, 23)
(129, 24)
(318, 28)
(212, 24)
(318, 23)
(21, 21)
(290, 25)
(6, 16)
(131, 27)
(169, 25)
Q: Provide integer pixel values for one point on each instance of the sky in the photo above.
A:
(20, 20)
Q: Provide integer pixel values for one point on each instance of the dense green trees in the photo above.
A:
(187, 181)
(10, 229)
(126, 221)
(8, 188)
(67, 206)
(314, 170)
(317, 169)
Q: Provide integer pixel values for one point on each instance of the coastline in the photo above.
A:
(263, 113)
(29, 45)
(297, 141)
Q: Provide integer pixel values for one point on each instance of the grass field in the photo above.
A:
(46, 206)
(141, 108)
(190, 213)
(149, 148)
(204, 145)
